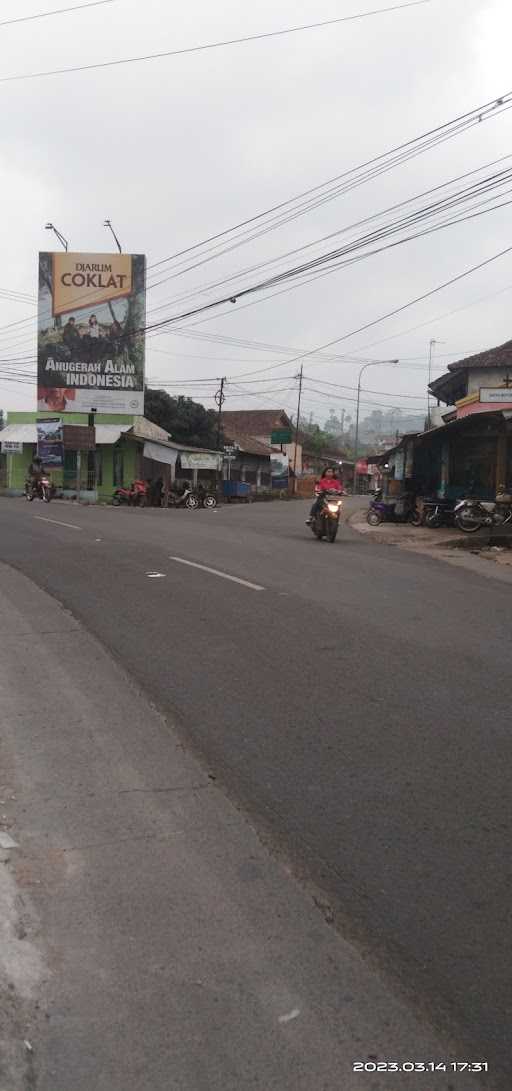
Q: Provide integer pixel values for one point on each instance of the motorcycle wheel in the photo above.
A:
(433, 520)
(45, 495)
(116, 501)
(374, 518)
(332, 530)
(191, 502)
(210, 501)
(318, 528)
(467, 526)
(29, 495)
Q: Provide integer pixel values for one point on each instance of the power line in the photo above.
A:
(444, 204)
(391, 314)
(213, 45)
(58, 11)
(380, 163)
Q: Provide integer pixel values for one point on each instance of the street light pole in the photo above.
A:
(64, 242)
(300, 375)
(371, 363)
(107, 223)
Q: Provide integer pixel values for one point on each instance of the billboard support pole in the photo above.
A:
(78, 474)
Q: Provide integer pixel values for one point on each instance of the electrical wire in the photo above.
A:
(213, 45)
(385, 160)
(450, 201)
(415, 146)
(58, 11)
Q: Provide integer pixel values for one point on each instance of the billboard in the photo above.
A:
(90, 346)
(50, 442)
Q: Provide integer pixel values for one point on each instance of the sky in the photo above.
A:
(178, 149)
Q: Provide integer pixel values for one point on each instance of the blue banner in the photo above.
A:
(50, 446)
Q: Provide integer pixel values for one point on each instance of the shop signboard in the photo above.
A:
(281, 435)
(91, 319)
(11, 447)
(50, 446)
(279, 469)
(497, 394)
(79, 437)
(200, 460)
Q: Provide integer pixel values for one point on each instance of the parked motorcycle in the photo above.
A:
(326, 521)
(471, 515)
(206, 499)
(42, 489)
(434, 513)
(187, 499)
(136, 496)
(391, 511)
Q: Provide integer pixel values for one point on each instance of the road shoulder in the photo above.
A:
(152, 940)
(445, 544)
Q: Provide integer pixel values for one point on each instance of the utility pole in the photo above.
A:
(220, 398)
(107, 223)
(342, 421)
(432, 342)
(297, 426)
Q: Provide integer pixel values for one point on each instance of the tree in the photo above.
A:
(182, 418)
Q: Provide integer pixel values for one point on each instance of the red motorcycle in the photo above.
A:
(135, 497)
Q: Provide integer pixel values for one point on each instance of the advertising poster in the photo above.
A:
(50, 442)
(279, 469)
(91, 318)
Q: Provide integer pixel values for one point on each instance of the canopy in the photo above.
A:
(158, 453)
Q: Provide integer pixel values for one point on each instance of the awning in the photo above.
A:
(19, 433)
(110, 433)
(158, 453)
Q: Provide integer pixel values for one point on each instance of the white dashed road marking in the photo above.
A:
(215, 572)
(72, 526)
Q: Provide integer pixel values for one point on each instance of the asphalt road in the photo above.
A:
(356, 705)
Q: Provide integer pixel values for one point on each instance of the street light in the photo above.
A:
(371, 363)
(62, 240)
(107, 223)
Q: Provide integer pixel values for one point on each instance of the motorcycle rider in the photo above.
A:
(329, 482)
(35, 472)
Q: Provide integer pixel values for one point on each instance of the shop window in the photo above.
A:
(118, 468)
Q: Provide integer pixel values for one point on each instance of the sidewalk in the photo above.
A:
(149, 940)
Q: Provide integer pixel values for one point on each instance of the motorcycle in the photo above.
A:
(206, 499)
(325, 523)
(186, 499)
(42, 489)
(391, 511)
(434, 513)
(136, 496)
(471, 515)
